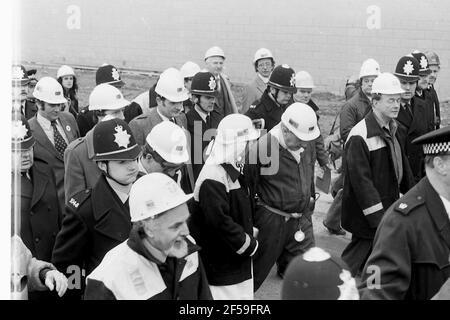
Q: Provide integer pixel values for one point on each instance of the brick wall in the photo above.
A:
(328, 38)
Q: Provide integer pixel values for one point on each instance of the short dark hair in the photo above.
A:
(376, 96)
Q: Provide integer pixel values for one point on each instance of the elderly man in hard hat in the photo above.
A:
(214, 61)
(166, 151)
(355, 109)
(106, 73)
(435, 65)
(376, 170)
(222, 215)
(20, 92)
(159, 261)
(106, 102)
(98, 219)
(202, 121)
(263, 62)
(411, 248)
(53, 129)
(276, 97)
(413, 114)
(280, 175)
(188, 71)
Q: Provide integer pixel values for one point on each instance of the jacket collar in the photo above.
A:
(89, 140)
(373, 127)
(42, 139)
(362, 97)
(231, 171)
(109, 213)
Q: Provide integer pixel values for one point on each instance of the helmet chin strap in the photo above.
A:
(110, 177)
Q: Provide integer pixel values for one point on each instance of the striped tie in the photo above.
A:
(60, 143)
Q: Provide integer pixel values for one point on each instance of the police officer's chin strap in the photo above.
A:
(274, 98)
(106, 173)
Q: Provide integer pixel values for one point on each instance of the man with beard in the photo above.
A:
(276, 97)
(159, 261)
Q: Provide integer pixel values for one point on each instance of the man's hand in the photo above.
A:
(56, 280)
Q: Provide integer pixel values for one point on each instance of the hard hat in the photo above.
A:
(49, 90)
(189, 69)
(169, 141)
(153, 194)
(171, 86)
(283, 77)
(106, 97)
(113, 140)
(21, 134)
(304, 80)
(65, 71)
(301, 120)
(407, 68)
(262, 53)
(423, 62)
(233, 133)
(369, 68)
(317, 275)
(433, 58)
(214, 52)
(19, 75)
(204, 83)
(387, 83)
(108, 74)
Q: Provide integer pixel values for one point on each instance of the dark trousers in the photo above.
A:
(276, 243)
(333, 218)
(356, 253)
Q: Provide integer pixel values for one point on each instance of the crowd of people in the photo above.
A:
(184, 193)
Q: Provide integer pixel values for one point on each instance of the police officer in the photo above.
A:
(188, 71)
(221, 220)
(159, 261)
(81, 171)
(276, 97)
(166, 151)
(411, 251)
(263, 62)
(413, 113)
(434, 64)
(20, 82)
(202, 120)
(225, 102)
(280, 175)
(98, 219)
(109, 74)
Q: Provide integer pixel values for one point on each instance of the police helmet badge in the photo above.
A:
(122, 138)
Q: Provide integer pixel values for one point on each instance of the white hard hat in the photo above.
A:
(107, 97)
(304, 80)
(49, 90)
(153, 194)
(214, 52)
(387, 83)
(169, 141)
(301, 120)
(369, 68)
(189, 69)
(262, 53)
(171, 86)
(65, 71)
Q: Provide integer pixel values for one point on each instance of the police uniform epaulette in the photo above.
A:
(77, 200)
(405, 206)
(142, 116)
(75, 143)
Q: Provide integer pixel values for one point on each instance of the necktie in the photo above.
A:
(60, 144)
(208, 121)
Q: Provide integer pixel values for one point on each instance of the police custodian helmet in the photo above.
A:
(204, 84)
(283, 78)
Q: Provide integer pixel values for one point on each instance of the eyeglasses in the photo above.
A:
(267, 64)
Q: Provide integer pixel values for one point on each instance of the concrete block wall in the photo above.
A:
(328, 38)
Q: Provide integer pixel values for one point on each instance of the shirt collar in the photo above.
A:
(391, 125)
(141, 166)
(276, 132)
(44, 122)
(123, 196)
(446, 205)
(264, 79)
(201, 113)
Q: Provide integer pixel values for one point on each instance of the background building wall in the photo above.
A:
(328, 38)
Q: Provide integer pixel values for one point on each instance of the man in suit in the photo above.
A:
(225, 103)
(106, 102)
(52, 129)
(171, 93)
(34, 201)
(202, 122)
(264, 64)
(21, 103)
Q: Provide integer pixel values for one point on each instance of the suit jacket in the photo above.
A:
(45, 150)
(30, 109)
(253, 92)
(81, 171)
(40, 214)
